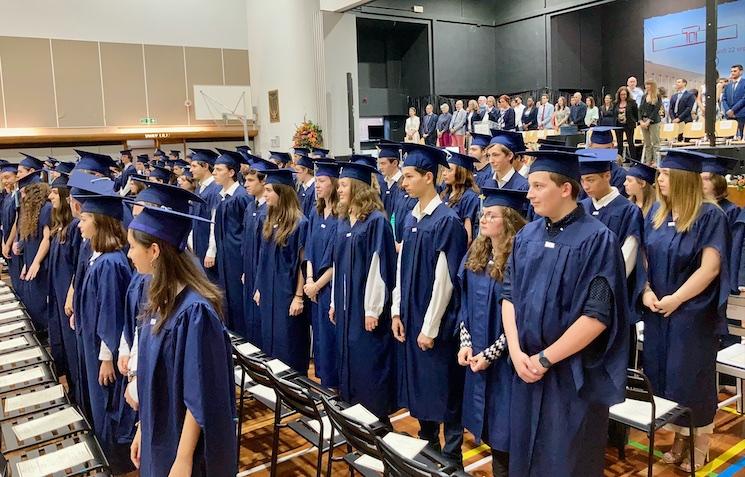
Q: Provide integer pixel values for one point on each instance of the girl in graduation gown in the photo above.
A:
(424, 306)
(687, 241)
(99, 318)
(715, 185)
(63, 257)
(185, 368)
(486, 393)
(639, 184)
(364, 260)
(285, 330)
(35, 215)
(8, 209)
(319, 248)
(461, 194)
(255, 212)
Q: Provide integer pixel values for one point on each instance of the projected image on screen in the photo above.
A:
(674, 45)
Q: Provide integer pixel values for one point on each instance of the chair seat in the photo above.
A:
(734, 357)
(639, 413)
(365, 464)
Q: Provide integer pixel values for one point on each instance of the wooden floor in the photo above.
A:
(727, 451)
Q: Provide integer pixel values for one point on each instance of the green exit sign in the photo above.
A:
(148, 121)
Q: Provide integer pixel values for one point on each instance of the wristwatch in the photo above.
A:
(544, 360)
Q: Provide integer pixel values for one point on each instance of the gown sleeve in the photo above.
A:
(381, 274)
(112, 287)
(715, 233)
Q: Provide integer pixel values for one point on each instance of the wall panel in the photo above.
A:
(123, 83)
(203, 66)
(166, 91)
(78, 83)
(237, 72)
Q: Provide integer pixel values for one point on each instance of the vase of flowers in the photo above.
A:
(308, 134)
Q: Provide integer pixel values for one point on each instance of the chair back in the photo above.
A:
(694, 131)
(256, 369)
(397, 465)
(360, 436)
(638, 136)
(639, 388)
(670, 131)
(726, 128)
(295, 397)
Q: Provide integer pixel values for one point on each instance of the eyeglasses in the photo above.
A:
(488, 217)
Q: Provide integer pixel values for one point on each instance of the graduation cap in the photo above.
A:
(480, 140)
(559, 142)
(166, 195)
(31, 178)
(560, 162)
(684, 159)
(242, 148)
(592, 161)
(358, 170)
(510, 139)
(280, 176)
(281, 157)
(109, 205)
(30, 162)
(51, 161)
(389, 151)
(642, 171)
(175, 152)
(514, 199)
(180, 163)
(160, 153)
(720, 165)
(320, 152)
(7, 167)
(166, 224)
(207, 156)
(305, 161)
(95, 162)
(60, 181)
(64, 167)
(143, 158)
(327, 169)
(262, 165)
(364, 159)
(188, 173)
(462, 160)
(301, 150)
(126, 152)
(602, 134)
(424, 157)
(556, 147)
(160, 172)
(231, 159)
(84, 184)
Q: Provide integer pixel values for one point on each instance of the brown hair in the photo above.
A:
(34, 198)
(61, 216)
(463, 181)
(110, 234)
(720, 185)
(170, 268)
(334, 199)
(685, 197)
(364, 198)
(560, 179)
(286, 215)
(628, 94)
(647, 198)
(482, 249)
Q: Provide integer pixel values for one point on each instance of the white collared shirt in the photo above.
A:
(607, 199)
(309, 184)
(630, 246)
(504, 180)
(393, 179)
(261, 200)
(229, 191)
(203, 184)
(417, 211)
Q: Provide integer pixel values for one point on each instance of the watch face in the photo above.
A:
(544, 362)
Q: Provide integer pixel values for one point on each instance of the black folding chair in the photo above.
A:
(397, 465)
(638, 388)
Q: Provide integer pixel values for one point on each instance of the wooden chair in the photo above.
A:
(397, 465)
(640, 398)
(669, 132)
(725, 129)
(692, 132)
(531, 137)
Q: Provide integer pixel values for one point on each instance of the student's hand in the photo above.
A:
(730, 114)
(649, 299)
(16, 248)
(371, 322)
(398, 329)
(311, 290)
(668, 304)
(523, 366)
(479, 363)
(68, 306)
(32, 271)
(332, 315)
(296, 306)
(257, 297)
(209, 262)
(72, 322)
(537, 366)
(398, 247)
(106, 373)
(676, 120)
(134, 449)
(123, 364)
(464, 356)
(23, 273)
(128, 397)
(424, 342)
(741, 289)
(6, 251)
(181, 467)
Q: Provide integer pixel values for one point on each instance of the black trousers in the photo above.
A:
(629, 132)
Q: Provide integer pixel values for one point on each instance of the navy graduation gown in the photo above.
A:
(284, 337)
(63, 258)
(134, 301)
(430, 383)
(250, 327)
(558, 424)
(390, 196)
(228, 236)
(737, 264)
(84, 255)
(516, 182)
(187, 365)
(8, 214)
(403, 207)
(468, 207)
(101, 318)
(307, 197)
(486, 395)
(319, 249)
(680, 351)
(35, 292)
(731, 210)
(365, 358)
(201, 230)
(617, 178)
(481, 178)
(121, 181)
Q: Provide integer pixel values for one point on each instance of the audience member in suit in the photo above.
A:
(681, 103)
(482, 105)
(607, 113)
(530, 116)
(733, 98)
(577, 111)
(443, 126)
(458, 127)
(429, 126)
(504, 116)
(627, 115)
(545, 113)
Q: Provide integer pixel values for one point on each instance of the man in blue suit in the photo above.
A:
(681, 104)
(733, 98)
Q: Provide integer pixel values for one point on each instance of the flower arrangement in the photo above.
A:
(307, 134)
(739, 182)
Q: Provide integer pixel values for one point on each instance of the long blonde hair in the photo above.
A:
(684, 199)
(482, 249)
(285, 215)
(653, 95)
(363, 197)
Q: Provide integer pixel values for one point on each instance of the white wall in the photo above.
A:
(205, 23)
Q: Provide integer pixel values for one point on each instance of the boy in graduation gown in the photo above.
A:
(477, 148)
(389, 159)
(202, 238)
(306, 191)
(565, 317)
(430, 382)
(602, 138)
(501, 152)
(229, 232)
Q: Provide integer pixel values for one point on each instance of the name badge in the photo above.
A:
(549, 244)
(323, 226)
(387, 192)
(153, 321)
(671, 224)
(254, 214)
(349, 234)
(596, 212)
(413, 229)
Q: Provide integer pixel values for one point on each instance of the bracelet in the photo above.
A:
(298, 296)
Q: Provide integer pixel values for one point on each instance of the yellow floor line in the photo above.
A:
(722, 459)
(731, 411)
(468, 454)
